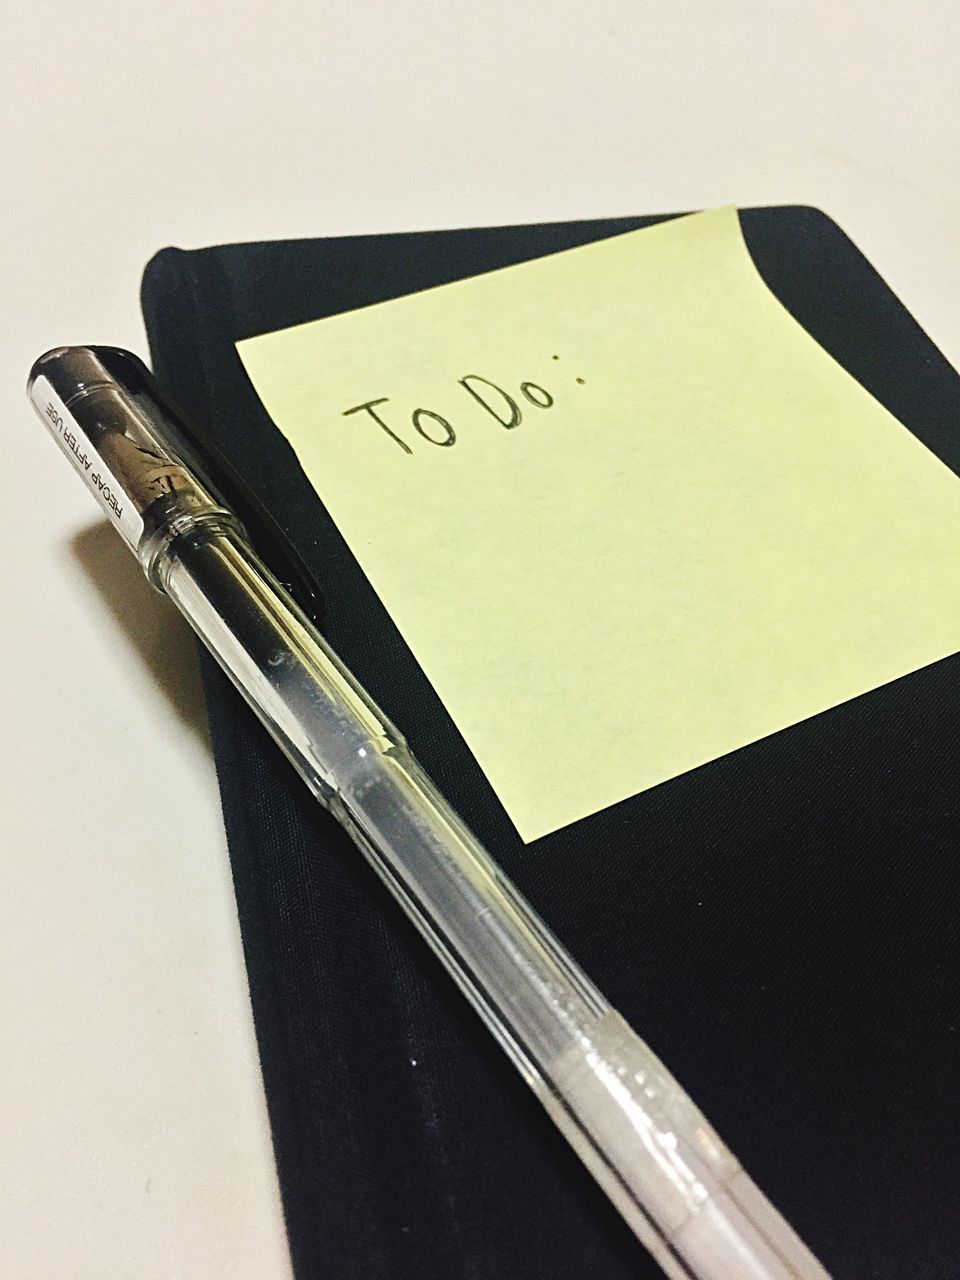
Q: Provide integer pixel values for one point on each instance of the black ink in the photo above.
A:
(528, 388)
(428, 413)
(554, 357)
(516, 417)
(581, 381)
(358, 408)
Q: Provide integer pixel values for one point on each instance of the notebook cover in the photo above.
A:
(780, 924)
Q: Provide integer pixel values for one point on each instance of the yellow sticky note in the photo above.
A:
(626, 513)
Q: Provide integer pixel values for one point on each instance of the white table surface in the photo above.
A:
(132, 1119)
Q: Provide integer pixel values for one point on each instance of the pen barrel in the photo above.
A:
(654, 1153)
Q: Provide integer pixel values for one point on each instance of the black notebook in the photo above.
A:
(789, 951)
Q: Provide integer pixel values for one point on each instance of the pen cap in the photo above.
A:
(100, 406)
(152, 470)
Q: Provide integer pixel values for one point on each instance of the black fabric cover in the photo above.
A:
(780, 925)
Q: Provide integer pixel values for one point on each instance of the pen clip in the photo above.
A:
(269, 538)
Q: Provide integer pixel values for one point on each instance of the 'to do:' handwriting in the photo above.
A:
(437, 430)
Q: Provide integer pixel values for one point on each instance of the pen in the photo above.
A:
(182, 511)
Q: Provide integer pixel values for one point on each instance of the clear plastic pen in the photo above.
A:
(655, 1155)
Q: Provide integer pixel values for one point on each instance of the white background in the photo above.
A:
(132, 1121)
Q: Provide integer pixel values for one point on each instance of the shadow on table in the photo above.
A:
(146, 621)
